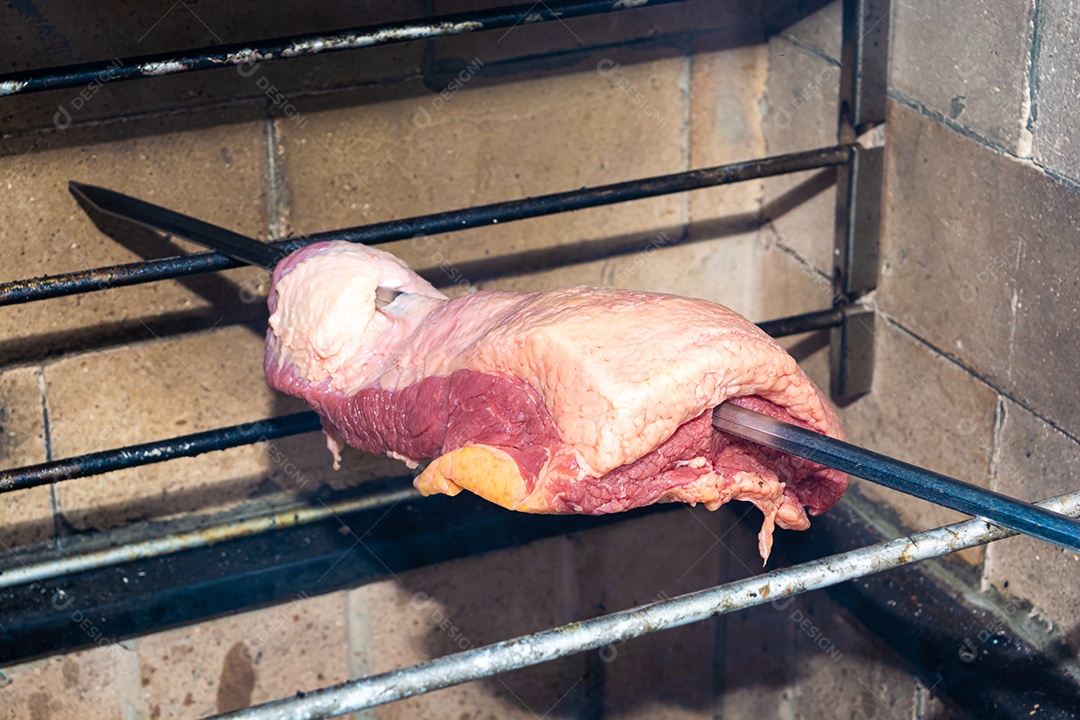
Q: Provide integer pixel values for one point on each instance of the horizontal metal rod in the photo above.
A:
(939, 489)
(105, 461)
(247, 54)
(807, 322)
(549, 645)
(23, 291)
(203, 537)
(268, 429)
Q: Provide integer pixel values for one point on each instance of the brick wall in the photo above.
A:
(980, 254)
(968, 353)
(978, 293)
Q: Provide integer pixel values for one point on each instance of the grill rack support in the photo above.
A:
(103, 278)
(605, 630)
(859, 186)
(855, 275)
(240, 54)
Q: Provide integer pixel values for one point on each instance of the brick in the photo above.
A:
(216, 173)
(1044, 222)
(802, 93)
(439, 610)
(727, 86)
(967, 61)
(715, 257)
(542, 132)
(64, 34)
(790, 286)
(726, 89)
(25, 515)
(982, 270)
(244, 660)
(1055, 114)
(1035, 462)
(759, 672)
(667, 674)
(951, 244)
(159, 390)
(844, 670)
(924, 410)
(803, 96)
(84, 684)
(929, 704)
(719, 271)
(820, 29)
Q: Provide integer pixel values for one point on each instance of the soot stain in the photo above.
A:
(237, 680)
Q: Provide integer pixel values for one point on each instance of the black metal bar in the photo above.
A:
(856, 255)
(158, 451)
(807, 322)
(864, 66)
(163, 220)
(590, 197)
(851, 355)
(247, 54)
(23, 291)
(269, 429)
(863, 84)
(1023, 517)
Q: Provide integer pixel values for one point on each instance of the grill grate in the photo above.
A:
(627, 624)
(23, 291)
(241, 54)
(859, 192)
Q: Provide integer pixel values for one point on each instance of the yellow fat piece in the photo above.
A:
(481, 469)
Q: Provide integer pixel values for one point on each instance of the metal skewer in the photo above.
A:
(160, 219)
(934, 487)
(910, 479)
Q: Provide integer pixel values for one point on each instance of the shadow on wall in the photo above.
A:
(805, 654)
(481, 600)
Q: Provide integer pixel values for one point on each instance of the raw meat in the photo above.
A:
(579, 400)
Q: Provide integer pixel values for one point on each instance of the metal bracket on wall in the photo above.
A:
(851, 356)
(863, 85)
(855, 273)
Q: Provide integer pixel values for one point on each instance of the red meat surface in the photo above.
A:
(579, 400)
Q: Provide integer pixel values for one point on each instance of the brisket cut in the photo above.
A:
(579, 400)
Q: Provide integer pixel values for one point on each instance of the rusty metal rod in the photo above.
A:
(549, 645)
(23, 291)
(268, 429)
(248, 54)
